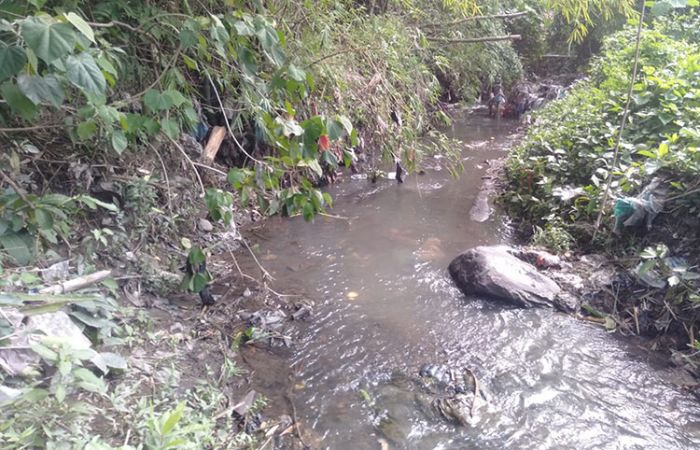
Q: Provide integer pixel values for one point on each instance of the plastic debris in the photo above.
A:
(633, 211)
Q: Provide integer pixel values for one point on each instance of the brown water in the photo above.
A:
(384, 302)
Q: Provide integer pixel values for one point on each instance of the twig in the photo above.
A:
(509, 37)
(623, 122)
(77, 283)
(34, 128)
(331, 216)
(213, 169)
(266, 274)
(114, 23)
(165, 175)
(323, 58)
(473, 18)
(189, 160)
(235, 262)
(684, 194)
(288, 396)
(16, 187)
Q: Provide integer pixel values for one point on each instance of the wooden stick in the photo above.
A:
(77, 283)
(213, 144)
(509, 37)
(18, 190)
(472, 18)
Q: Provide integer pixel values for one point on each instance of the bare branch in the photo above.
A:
(509, 37)
(474, 18)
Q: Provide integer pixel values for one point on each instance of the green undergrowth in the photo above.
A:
(559, 173)
(122, 385)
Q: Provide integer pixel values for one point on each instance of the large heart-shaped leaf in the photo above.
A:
(13, 60)
(48, 41)
(83, 72)
(18, 102)
(41, 89)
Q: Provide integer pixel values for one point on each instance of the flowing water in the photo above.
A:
(384, 302)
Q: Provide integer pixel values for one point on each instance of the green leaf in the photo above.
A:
(170, 127)
(173, 418)
(81, 25)
(296, 73)
(173, 98)
(49, 41)
(13, 60)
(199, 281)
(60, 393)
(91, 382)
(83, 72)
(335, 130)
(237, 177)
(308, 212)
(86, 130)
(41, 89)
(10, 300)
(45, 352)
(243, 28)
(247, 58)
(18, 102)
(18, 246)
(347, 124)
(661, 8)
(647, 153)
(43, 218)
(154, 101)
(663, 149)
(119, 141)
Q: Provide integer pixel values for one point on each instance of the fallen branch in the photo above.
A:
(473, 18)
(509, 37)
(213, 144)
(77, 283)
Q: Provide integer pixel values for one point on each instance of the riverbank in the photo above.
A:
(573, 188)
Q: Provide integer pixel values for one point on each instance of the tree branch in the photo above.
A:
(509, 37)
(473, 18)
(18, 190)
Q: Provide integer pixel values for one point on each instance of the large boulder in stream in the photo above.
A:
(497, 273)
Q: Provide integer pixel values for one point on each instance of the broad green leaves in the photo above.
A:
(49, 41)
(83, 72)
(41, 89)
(18, 102)
(13, 60)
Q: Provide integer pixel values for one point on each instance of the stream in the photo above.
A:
(384, 303)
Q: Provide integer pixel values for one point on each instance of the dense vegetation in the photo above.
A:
(105, 107)
(561, 171)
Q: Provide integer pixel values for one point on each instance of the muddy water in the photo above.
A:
(384, 303)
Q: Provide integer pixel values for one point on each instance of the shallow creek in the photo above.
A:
(384, 302)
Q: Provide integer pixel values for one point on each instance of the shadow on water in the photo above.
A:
(385, 303)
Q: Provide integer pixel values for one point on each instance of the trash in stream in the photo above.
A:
(631, 211)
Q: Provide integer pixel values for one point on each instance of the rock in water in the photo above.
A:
(495, 272)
